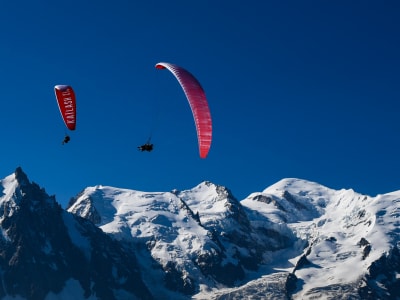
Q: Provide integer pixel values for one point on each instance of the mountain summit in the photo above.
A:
(294, 240)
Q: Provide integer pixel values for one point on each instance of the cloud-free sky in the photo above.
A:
(306, 89)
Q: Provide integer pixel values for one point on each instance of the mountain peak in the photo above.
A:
(20, 176)
(19, 194)
(290, 184)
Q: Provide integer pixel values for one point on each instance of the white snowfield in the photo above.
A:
(332, 227)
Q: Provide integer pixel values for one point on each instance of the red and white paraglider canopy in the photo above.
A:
(67, 103)
(198, 103)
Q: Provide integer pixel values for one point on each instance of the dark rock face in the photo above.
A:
(43, 247)
(290, 284)
(292, 200)
(210, 264)
(175, 281)
(382, 281)
(268, 200)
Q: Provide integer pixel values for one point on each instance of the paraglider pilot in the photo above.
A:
(146, 147)
(66, 139)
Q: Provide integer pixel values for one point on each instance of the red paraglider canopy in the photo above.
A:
(67, 103)
(198, 103)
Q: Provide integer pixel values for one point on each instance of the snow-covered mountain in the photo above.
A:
(198, 238)
(294, 240)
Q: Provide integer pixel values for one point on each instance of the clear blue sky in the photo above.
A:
(306, 89)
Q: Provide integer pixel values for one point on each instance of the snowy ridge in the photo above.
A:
(304, 238)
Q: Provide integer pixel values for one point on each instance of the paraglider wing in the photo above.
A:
(66, 102)
(198, 103)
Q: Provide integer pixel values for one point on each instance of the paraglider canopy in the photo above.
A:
(198, 103)
(67, 104)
